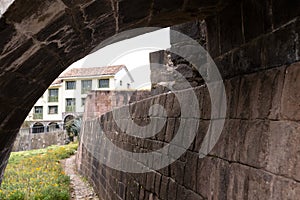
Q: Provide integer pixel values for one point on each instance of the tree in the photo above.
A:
(73, 128)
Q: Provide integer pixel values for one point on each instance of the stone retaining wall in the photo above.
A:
(256, 48)
(31, 141)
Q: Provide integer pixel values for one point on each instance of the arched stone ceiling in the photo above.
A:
(40, 38)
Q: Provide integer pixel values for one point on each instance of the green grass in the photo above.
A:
(37, 175)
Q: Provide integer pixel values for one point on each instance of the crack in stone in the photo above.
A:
(115, 9)
(254, 167)
(150, 13)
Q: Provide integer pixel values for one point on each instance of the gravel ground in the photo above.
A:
(80, 190)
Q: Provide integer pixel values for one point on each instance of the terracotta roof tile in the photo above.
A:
(94, 71)
(56, 81)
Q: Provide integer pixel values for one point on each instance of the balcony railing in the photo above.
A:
(53, 99)
(70, 108)
(37, 115)
(85, 90)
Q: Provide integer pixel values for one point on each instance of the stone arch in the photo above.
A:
(31, 57)
(68, 118)
(52, 126)
(38, 127)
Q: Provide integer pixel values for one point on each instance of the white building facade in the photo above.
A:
(65, 98)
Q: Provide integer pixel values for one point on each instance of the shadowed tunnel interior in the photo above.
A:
(39, 39)
(255, 45)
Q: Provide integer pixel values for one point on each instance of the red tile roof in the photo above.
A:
(94, 71)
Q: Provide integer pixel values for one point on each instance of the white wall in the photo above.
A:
(43, 101)
(123, 76)
(63, 94)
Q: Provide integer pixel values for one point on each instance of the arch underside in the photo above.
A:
(39, 39)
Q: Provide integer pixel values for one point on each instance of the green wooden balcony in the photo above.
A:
(53, 99)
(37, 115)
(71, 108)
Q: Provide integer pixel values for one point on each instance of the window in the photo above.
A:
(38, 109)
(53, 95)
(70, 104)
(83, 102)
(53, 109)
(70, 85)
(120, 82)
(86, 86)
(38, 112)
(104, 83)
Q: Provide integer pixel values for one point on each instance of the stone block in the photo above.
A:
(256, 18)
(269, 92)
(290, 101)
(174, 104)
(205, 176)
(169, 104)
(170, 129)
(247, 58)
(206, 105)
(165, 6)
(202, 131)
(284, 11)
(238, 182)
(248, 95)
(94, 9)
(129, 11)
(213, 36)
(177, 171)
(150, 182)
(157, 183)
(232, 94)
(191, 195)
(231, 34)
(279, 48)
(190, 29)
(225, 66)
(227, 146)
(6, 34)
(190, 171)
(283, 152)
(172, 189)
(259, 95)
(259, 185)
(285, 188)
(212, 178)
(164, 188)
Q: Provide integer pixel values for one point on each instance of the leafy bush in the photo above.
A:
(51, 193)
(73, 128)
(37, 175)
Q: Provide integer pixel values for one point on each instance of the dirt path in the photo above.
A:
(80, 190)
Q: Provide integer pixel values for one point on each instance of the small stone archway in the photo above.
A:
(38, 128)
(52, 126)
(68, 118)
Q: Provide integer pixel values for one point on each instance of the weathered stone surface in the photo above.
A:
(290, 102)
(37, 141)
(256, 155)
(283, 154)
(228, 145)
(213, 36)
(284, 11)
(252, 147)
(280, 48)
(232, 94)
(258, 10)
(247, 59)
(231, 37)
(191, 29)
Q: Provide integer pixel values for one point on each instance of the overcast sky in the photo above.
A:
(134, 53)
